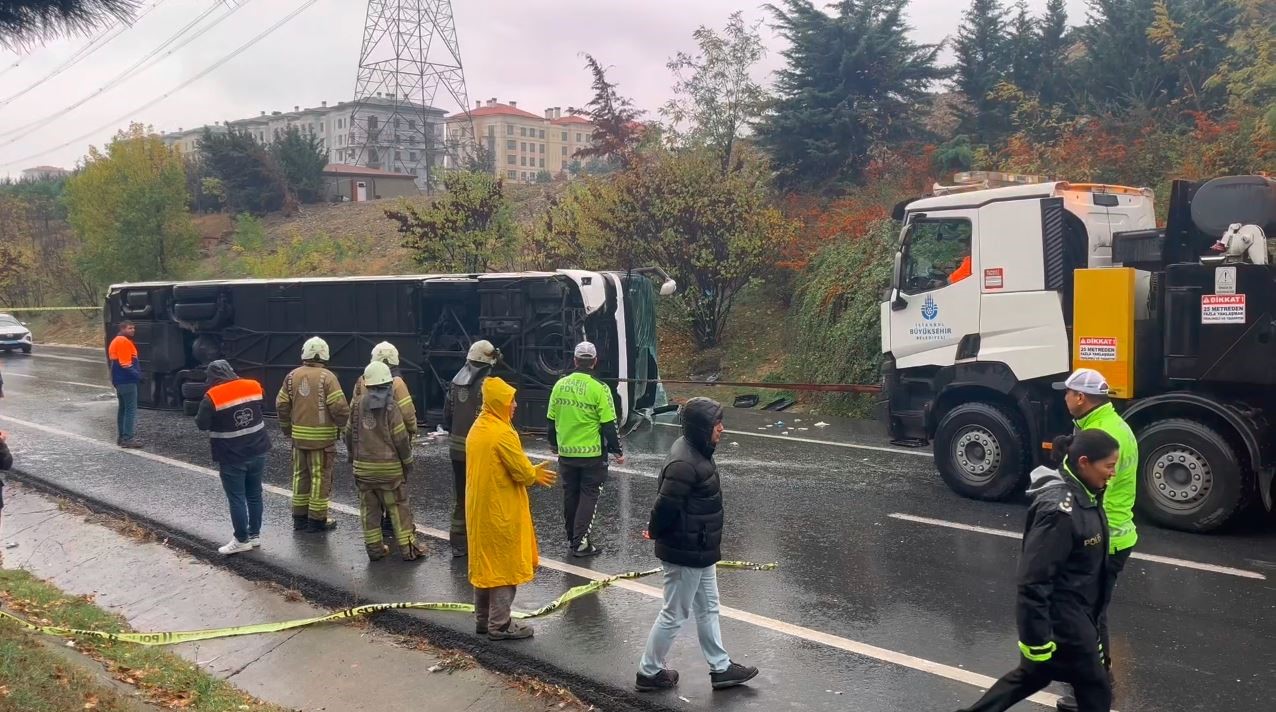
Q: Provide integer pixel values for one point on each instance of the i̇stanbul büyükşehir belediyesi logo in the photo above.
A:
(929, 309)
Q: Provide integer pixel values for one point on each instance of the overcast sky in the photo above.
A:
(529, 51)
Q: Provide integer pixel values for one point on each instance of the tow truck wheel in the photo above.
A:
(979, 451)
(1189, 476)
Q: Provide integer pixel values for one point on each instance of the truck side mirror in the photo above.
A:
(898, 302)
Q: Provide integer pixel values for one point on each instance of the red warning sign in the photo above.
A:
(994, 278)
(1098, 348)
(1222, 308)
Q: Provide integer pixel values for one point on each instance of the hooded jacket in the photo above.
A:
(1063, 565)
(402, 398)
(1118, 496)
(463, 404)
(378, 439)
(498, 514)
(687, 518)
(231, 413)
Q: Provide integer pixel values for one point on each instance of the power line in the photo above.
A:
(146, 62)
(81, 54)
(208, 70)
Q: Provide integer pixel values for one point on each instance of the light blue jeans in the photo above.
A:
(687, 590)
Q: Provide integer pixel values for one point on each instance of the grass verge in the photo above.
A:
(34, 679)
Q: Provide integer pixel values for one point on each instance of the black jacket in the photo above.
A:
(686, 521)
(1062, 570)
(231, 412)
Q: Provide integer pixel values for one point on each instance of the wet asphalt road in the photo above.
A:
(864, 603)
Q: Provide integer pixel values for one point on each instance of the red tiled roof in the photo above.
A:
(571, 119)
(496, 110)
(343, 169)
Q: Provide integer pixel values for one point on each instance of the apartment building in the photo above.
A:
(521, 143)
(399, 141)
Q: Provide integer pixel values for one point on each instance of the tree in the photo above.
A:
(983, 54)
(469, 229)
(251, 178)
(301, 158)
(1249, 73)
(1189, 36)
(1052, 54)
(25, 21)
(617, 132)
(128, 205)
(1023, 50)
(854, 80)
(715, 96)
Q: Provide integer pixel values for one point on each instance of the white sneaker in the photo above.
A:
(235, 547)
(254, 542)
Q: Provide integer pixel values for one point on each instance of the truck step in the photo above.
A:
(909, 442)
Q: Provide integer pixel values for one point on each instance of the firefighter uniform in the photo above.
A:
(381, 451)
(388, 353)
(312, 410)
(460, 410)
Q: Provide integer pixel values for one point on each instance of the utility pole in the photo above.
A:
(409, 54)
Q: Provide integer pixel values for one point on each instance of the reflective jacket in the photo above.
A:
(687, 518)
(231, 413)
(312, 409)
(463, 405)
(402, 397)
(378, 438)
(125, 366)
(1118, 496)
(1062, 568)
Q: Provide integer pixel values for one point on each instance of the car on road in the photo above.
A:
(14, 335)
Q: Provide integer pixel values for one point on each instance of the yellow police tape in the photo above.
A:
(174, 637)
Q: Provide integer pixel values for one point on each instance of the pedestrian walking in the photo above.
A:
(1086, 395)
(1062, 571)
(381, 450)
(686, 524)
(231, 412)
(460, 410)
(498, 515)
(582, 430)
(126, 373)
(312, 410)
(387, 353)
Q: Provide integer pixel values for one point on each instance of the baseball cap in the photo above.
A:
(585, 350)
(1087, 381)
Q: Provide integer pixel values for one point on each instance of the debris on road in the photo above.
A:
(821, 424)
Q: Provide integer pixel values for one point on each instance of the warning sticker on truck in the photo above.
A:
(1223, 309)
(1098, 348)
(994, 278)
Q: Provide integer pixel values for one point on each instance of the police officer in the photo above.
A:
(387, 353)
(1085, 393)
(231, 413)
(1061, 578)
(381, 450)
(582, 430)
(312, 410)
(460, 410)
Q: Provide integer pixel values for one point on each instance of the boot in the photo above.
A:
(300, 522)
(317, 526)
(377, 552)
(412, 552)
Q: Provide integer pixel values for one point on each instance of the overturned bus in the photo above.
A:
(534, 318)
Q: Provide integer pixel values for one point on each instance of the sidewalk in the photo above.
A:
(329, 667)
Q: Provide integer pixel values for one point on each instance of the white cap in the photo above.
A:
(585, 350)
(483, 352)
(1087, 381)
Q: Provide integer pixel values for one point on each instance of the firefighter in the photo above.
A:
(582, 430)
(1062, 591)
(460, 410)
(381, 450)
(387, 353)
(1086, 395)
(312, 410)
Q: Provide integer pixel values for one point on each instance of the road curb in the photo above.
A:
(502, 659)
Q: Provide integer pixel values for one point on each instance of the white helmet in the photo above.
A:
(315, 349)
(386, 353)
(483, 352)
(377, 374)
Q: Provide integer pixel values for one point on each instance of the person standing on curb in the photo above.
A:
(460, 410)
(1061, 578)
(312, 410)
(231, 413)
(582, 417)
(381, 450)
(1086, 395)
(686, 524)
(388, 353)
(126, 373)
(498, 515)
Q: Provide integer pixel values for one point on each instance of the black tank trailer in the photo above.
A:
(534, 318)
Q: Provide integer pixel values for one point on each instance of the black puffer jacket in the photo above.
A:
(686, 521)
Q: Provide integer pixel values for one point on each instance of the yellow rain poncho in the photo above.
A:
(498, 515)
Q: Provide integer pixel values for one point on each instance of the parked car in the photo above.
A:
(14, 334)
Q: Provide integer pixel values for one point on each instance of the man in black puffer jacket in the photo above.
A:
(686, 524)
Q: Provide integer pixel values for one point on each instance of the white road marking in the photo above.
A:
(611, 466)
(813, 441)
(101, 361)
(69, 383)
(1184, 563)
(809, 634)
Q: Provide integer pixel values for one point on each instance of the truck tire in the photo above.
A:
(194, 311)
(1190, 478)
(196, 292)
(194, 390)
(980, 453)
(190, 408)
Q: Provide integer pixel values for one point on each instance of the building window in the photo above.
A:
(412, 156)
(564, 137)
(542, 133)
(511, 144)
(522, 130)
(578, 138)
(491, 131)
(542, 148)
(510, 159)
(341, 123)
(564, 150)
(513, 175)
(542, 163)
(522, 160)
(509, 130)
(398, 156)
(522, 146)
(412, 124)
(396, 123)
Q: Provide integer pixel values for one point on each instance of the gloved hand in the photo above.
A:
(407, 469)
(545, 477)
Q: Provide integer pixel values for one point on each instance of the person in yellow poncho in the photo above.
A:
(498, 514)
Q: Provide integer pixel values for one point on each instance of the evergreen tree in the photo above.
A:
(982, 62)
(1023, 50)
(617, 132)
(250, 176)
(854, 80)
(301, 157)
(1052, 54)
